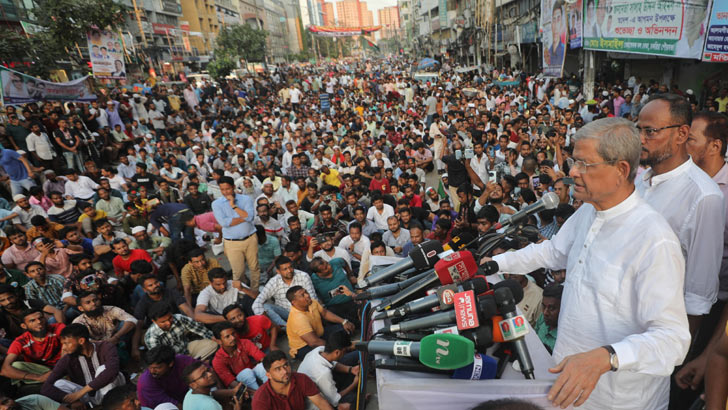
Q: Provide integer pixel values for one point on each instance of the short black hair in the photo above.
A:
(273, 357)
(225, 180)
(282, 260)
(100, 222)
(117, 396)
(76, 331)
(338, 340)
(159, 309)
(554, 290)
(33, 263)
(189, 369)
(219, 327)
(230, 308)
(680, 109)
(507, 404)
(216, 273)
(141, 266)
(162, 354)
(291, 292)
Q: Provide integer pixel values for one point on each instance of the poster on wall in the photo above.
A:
(107, 54)
(657, 27)
(716, 43)
(554, 36)
(19, 88)
(575, 23)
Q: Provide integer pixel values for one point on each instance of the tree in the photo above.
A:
(220, 66)
(66, 23)
(242, 41)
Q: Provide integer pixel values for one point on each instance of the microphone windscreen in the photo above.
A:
(515, 287)
(497, 335)
(456, 267)
(483, 367)
(459, 242)
(550, 200)
(479, 285)
(424, 255)
(487, 307)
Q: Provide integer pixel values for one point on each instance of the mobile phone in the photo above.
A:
(458, 154)
(491, 176)
(536, 182)
(241, 393)
(491, 149)
(568, 181)
(469, 153)
(334, 292)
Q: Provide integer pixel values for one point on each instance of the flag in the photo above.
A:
(373, 45)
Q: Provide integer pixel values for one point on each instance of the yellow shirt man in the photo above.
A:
(300, 323)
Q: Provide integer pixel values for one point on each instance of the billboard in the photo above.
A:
(716, 43)
(106, 53)
(555, 34)
(575, 11)
(18, 88)
(667, 28)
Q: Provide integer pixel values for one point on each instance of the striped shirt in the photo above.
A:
(176, 336)
(50, 293)
(276, 289)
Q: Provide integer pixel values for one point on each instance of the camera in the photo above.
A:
(321, 238)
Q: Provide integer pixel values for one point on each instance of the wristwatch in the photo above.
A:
(344, 322)
(613, 359)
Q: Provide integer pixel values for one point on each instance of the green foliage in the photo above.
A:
(66, 23)
(242, 41)
(221, 66)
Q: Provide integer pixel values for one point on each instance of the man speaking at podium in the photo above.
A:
(623, 325)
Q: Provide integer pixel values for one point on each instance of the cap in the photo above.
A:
(135, 230)
(605, 93)
(166, 406)
(137, 96)
(149, 135)
(627, 92)
(689, 92)
(18, 197)
(196, 147)
(48, 172)
(268, 183)
(571, 101)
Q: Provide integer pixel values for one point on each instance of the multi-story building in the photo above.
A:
(252, 13)
(390, 21)
(227, 12)
(366, 16)
(328, 14)
(203, 19)
(277, 27)
(348, 13)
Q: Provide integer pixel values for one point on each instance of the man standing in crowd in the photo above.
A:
(235, 213)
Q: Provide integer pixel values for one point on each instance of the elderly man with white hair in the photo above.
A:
(623, 325)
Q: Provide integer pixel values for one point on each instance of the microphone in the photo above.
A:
(454, 268)
(461, 241)
(391, 288)
(483, 367)
(513, 328)
(443, 298)
(422, 256)
(548, 201)
(467, 313)
(438, 351)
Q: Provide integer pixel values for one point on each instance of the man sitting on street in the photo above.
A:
(276, 289)
(104, 323)
(162, 382)
(286, 389)
(235, 360)
(257, 328)
(173, 330)
(194, 274)
(305, 326)
(221, 293)
(92, 369)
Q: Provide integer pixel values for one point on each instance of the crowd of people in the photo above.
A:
(121, 218)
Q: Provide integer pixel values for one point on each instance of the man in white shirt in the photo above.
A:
(219, 294)
(396, 237)
(79, 187)
(379, 212)
(707, 147)
(295, 95)
(355, 244)
(272, 297)
(40, 147)
(623, 307)
(324, 365)
(685, 195)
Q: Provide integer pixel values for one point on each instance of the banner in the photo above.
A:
(554, 36)
(575, 23)
(107, 54)
(18, 88)
(330, 31)
(716, 45)
(673, 28)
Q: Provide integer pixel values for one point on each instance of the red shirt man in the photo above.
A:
(46, 352)
(301, 387)
(257, 331)
(125, 257)
(245, 356)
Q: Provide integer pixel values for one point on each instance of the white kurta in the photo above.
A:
(694, 207)
(624, 287)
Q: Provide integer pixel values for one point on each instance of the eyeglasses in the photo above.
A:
(583, 167)
(206, 373)
(649, 132)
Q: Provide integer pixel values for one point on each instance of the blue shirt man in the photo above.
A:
(235, 213)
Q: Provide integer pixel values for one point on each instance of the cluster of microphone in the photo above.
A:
(445, 314)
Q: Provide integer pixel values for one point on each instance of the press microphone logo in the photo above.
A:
(466, 315)
(442, 350)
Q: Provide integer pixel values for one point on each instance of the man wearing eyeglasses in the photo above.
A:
(622, 325)
(685, 195)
